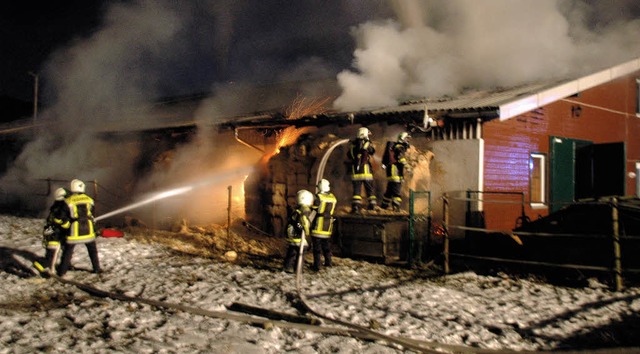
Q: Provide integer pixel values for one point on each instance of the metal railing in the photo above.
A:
(613, 239)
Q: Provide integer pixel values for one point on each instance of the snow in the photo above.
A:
(493, 312)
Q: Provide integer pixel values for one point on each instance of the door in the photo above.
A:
(580, 169)
(562, 170)
(600, 170)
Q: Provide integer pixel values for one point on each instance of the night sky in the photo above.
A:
(30, 30)
(167, 48)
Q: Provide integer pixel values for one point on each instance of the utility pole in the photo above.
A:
(35, 97)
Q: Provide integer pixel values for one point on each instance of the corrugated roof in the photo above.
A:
(511, 102)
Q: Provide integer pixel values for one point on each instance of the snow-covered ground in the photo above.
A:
(44, 315)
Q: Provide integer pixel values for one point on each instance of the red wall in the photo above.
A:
(608, 115)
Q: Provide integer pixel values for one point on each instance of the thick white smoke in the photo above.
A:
(146, 51)
(436, 48)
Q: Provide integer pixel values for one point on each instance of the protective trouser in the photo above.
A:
(67, 253)
(392, 196)
(321, 247)
(291, 258)
(356, 201)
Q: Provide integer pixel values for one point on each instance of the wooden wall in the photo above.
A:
(607, 114)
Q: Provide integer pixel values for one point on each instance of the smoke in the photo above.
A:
(253, 56)
(149, 51)
(436, 48)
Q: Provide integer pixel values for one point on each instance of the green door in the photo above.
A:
(580, 169)
(562, 170)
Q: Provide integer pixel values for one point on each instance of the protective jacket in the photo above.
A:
(360, 153)
(395, 170)
(57, 225)
(298, 225)
(324, 205)
(81, 229)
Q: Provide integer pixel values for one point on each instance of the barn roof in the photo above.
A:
(502, 103)
(508, 103)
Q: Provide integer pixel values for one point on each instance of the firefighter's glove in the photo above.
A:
(48, 231)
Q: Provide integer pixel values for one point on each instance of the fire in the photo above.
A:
(300, 107)
(287, 137)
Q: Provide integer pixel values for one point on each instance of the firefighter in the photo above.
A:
(55, 231)
(360, 152)
(297, 229)
(395, 164)
(322, 226)
(81, 228)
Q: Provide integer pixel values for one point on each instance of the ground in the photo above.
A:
(189, 268)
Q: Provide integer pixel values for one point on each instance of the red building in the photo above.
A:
(553, 143)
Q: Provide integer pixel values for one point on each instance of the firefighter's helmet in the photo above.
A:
(304, 198)
(77, 186)
(403, 137)
(363, 133)
(323, 186)
(60, 193)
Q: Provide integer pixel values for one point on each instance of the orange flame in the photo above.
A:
(300, 107)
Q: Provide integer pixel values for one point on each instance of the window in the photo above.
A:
(537, 179)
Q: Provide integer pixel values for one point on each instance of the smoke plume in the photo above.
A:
(437, 48)
(250, 56)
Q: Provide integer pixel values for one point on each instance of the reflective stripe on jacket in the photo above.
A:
(325, 204)
(360, 153)
(298, 223)
(395, 171)
(81, 213)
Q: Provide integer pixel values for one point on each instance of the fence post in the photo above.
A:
(445, 226)
(411, 226)
(95, 195)
(616, 244)
(229, 212)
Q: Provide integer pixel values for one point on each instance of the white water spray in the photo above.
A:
(323, 162)
(242, 171)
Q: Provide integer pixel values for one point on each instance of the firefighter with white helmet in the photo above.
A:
(81, 227)
(394, 162)
(322, 226)
(298, 228)
(55, 231)
(360, 153)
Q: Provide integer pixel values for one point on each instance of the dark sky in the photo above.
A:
(30, 30)
(271, 40)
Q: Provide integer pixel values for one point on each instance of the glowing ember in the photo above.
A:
(301, 107)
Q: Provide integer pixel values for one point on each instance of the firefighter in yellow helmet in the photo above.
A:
(360, 152)
(81, 227)
(298, 228)
(394, 162)
(322, 225)
(55, 231)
